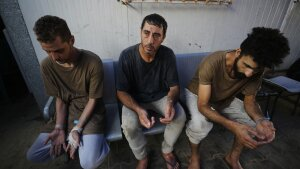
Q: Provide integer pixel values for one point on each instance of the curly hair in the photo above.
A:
(267, 46)
(48, 27)
(157, 20)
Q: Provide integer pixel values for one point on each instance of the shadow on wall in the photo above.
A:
(12, 84)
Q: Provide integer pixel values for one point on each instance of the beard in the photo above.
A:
(148, 49)
(237, 74)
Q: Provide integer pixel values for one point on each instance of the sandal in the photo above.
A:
(174, 163)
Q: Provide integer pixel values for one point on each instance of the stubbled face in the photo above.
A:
(58, 50)
(151, 39)
(244, 67)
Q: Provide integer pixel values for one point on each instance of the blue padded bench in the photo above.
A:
(186, 66)
(282, 86)
(112, 124)
(112, 116)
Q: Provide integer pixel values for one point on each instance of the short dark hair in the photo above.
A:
(267, 46)
(157, 20)
(48, 27)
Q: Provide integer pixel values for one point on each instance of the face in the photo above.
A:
(58, 50)
(151, 38)
(244, 66)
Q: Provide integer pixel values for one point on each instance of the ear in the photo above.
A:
(238, 52)
(72, 40)
(164, 37)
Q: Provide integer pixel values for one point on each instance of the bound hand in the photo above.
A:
(245, 135)
(266, 130)
(74, 143)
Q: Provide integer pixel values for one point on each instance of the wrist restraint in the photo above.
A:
(71, 140)
(262, 119)
(59, 126)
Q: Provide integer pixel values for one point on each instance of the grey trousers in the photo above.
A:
(92, 151)
(133, 130)
(198, 127)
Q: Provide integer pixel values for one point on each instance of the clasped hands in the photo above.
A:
(58, 141)
(263, 133)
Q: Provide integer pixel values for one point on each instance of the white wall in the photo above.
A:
(106, 27)
(291, 28)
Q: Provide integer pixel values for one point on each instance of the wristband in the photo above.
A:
(59, 126)
(71, 140)
(262, 119)
(76, 128)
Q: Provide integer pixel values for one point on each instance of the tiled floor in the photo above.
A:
(20, 123)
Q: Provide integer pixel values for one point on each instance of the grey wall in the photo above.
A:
(291, 29)
(20, 42)
(106, 27)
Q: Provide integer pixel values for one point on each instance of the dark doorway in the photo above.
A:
(12, 84)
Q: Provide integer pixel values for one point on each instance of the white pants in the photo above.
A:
(198, 127)
(92, 151)
(133, 130)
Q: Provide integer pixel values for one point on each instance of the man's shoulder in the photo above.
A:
(88, 55)
(46, 62)
(215, 56)
(89, 60)
(129, 54)
(130, 50)
(165, 50)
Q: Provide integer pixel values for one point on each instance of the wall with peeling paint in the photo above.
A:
(106, 27)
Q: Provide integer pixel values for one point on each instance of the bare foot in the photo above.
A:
(142, 164)
(232, 163)
(194, 162)
(171, 161)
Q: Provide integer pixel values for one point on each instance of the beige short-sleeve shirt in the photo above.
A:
(212, 71)
(75, 86)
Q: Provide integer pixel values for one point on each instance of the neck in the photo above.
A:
(74, 55)
(230, 59)
(146, 57)
(73, 58)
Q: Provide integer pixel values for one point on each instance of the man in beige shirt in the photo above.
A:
(211, 94)
(75, 78)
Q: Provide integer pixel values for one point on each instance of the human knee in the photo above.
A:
(130, 126)
(202, 125)
(199, 128)
(33, 156)
(89, 163)
(30, 155)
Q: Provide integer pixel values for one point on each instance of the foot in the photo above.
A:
(194, 162)
(232, 163)
(142, 164)
(171, 161)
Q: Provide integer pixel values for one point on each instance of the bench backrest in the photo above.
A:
(109, 89)
(187, 65)
(112, 116)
